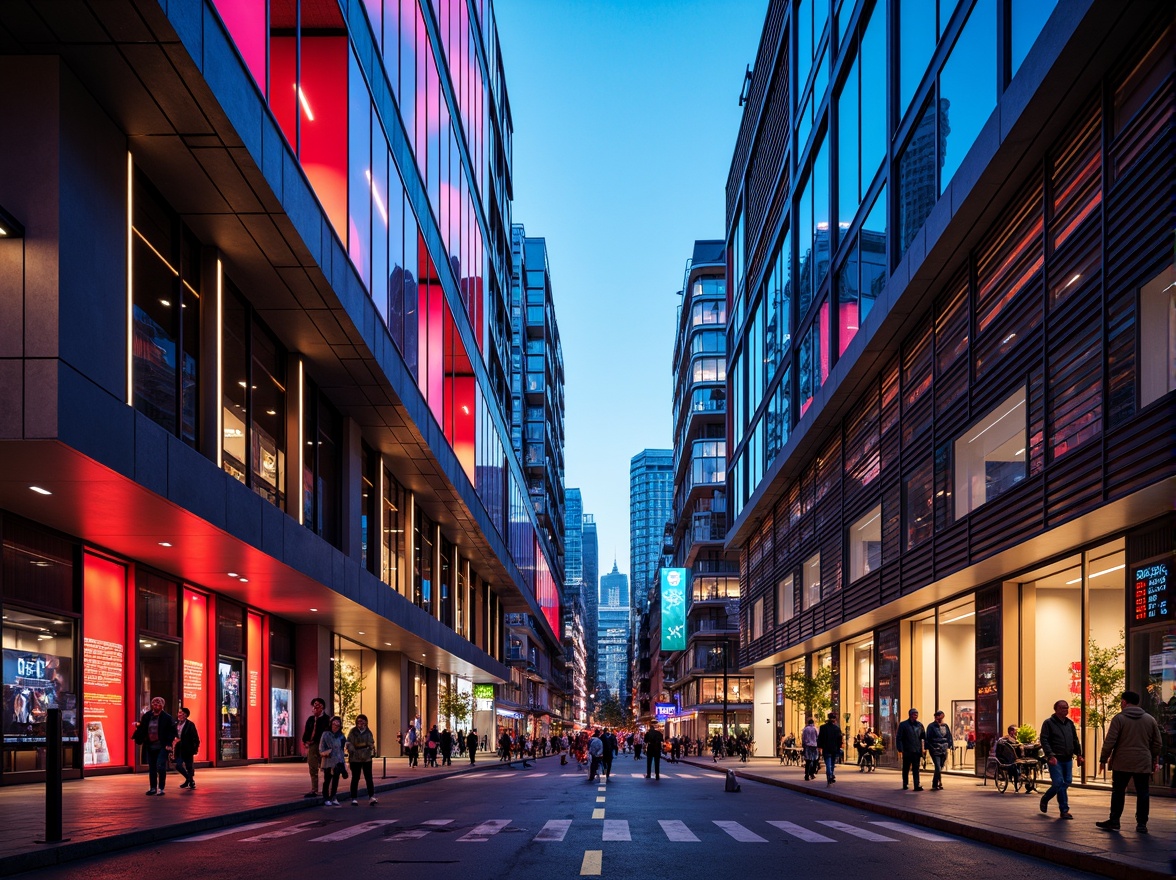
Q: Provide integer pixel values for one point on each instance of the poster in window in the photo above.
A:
(280, 712)
(963, 719)
(34, 684)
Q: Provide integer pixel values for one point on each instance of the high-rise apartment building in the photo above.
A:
(257, 338)
(651, 490)
(573, 605)
(613, 639)
(703, 680)
(537, 385)
(591, 561)
(951, 303)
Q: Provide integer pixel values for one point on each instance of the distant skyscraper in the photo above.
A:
(651, 494)
(590, 555)
(573, 537)
(613, 640)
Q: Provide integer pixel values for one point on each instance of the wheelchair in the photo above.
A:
(1021, 772)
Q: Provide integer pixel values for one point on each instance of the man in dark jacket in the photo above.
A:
(653, 751)
(155, 732)
(911, 742)
(318, 723)
(829, 743)
(1059, 741)
(472, 744)
(611, 747)
(445, 744)
(1132, 749)
(939, 745)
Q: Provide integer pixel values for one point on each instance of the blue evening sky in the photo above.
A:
(625, 119)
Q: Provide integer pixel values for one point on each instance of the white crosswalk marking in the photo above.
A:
(676, 831)
(554, 831)
(913, 832)
(485, 831)
(637, 775)
(535, 775)
(801, 832)
(353, 831)
(616, 829)
(212, 835)
(743, 835)
(863, 833)
(288, 831)
(686, 776)
(418, 833)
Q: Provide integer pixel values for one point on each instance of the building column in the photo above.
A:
(763, 712)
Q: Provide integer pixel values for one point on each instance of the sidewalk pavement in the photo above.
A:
(1013, 821)
(103, 814)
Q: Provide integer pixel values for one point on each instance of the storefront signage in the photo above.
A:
(674, 584)
(665, 711)
(1153, 583)
(483, 697)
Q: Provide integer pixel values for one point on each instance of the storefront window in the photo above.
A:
(990, 456)
(857, 690)
(1157, 342)
(159, 673)
(956, 666)
(785, 599)
(918, 665)
(156, 606)
(229, 672)
(1051, 638)
(38, 676)
(886, 670)
(1106, 601)
(354, 670)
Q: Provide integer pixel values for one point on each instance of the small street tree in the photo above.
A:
(349, 684)
(1105, 676)
(814, 692)
(458, 706)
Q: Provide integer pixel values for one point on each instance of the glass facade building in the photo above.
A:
(270, 421)
(651, 483)
(614, 639)
(950, 363)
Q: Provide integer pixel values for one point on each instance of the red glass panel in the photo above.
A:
(104, 663)
(283, 97)
(323, 129)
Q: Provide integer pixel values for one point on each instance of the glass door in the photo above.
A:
(231, 720)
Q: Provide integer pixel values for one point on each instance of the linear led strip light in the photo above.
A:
(300, 482)
(220, 364)
(130, 280)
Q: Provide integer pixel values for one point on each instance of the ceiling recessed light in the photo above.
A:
(165, 543)
(362, 633)
(233, 574)
(40, 491)
(389, 644)
(314, 609)
(244, 580)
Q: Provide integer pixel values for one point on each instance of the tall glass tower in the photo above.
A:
(613, 640)
(651, 493)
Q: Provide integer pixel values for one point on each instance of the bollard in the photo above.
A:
(52, 778)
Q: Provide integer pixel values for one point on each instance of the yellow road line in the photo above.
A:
(598, 813)
(591, 865)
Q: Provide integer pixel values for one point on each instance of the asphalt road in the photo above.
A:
(550, 822)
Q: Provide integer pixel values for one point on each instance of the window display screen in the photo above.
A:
(229, 684)
(1153, 584)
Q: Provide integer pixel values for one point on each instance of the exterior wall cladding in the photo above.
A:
(988, 403)
(323, 188)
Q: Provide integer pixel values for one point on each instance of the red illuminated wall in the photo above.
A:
(246, 24)
(255, 715)
(545, 591)
(104, 663)
(194, 676)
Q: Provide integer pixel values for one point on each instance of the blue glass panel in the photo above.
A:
(872, 254)
(916, 45)
(821, 229)
(804, 242)
(803, 22)
(1028, 17)
(967, 87)
(848, 189)
(873, 104)
(917, 184)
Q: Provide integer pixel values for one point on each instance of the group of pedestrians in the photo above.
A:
(328, 750)
(163, 739)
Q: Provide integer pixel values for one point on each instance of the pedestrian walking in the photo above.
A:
(939, 746)
(638, 745)
(361, 746)
(445, 745)
(812, 754)
(412, 742)
(431, 743)
(472, 744)
(911, 743)
(653, 751)
(154, 733)
(332, 753)
(316, 725)
(609, 740)
(1132, 751)
(829, 743)
(595, 754)
(1059, 741)
(186, 746)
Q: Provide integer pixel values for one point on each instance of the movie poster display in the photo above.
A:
(33, 684)
(280, 712)
(104, 667)
(228, 676)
